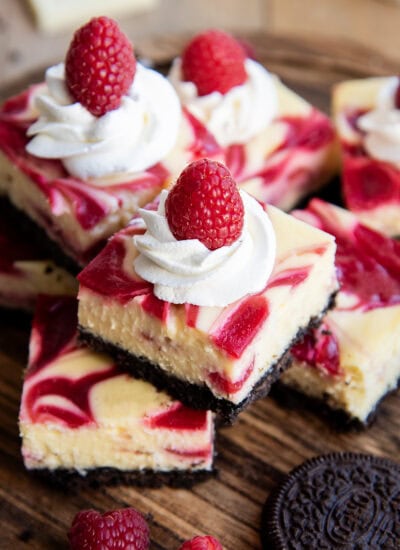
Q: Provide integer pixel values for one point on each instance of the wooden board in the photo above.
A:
(253, 455)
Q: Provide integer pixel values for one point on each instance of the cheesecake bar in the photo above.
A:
(72, 218)
(367, 118)
(82, 418)
(78, 166)
(209, 356)
(278, 146)
(25, 271)
(352, 360)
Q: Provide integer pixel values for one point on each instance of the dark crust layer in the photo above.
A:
(71, 480)
(38, 235)
(339, 419)
(193, 395)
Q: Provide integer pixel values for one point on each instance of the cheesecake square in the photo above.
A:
(352, 361)
(82, 419)
(293, 157)
(213, 357)
(278, 147)
(367, 117)
(73, 215)
(83, 150)
(25, 270)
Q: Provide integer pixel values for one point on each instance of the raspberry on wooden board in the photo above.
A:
(124, 528)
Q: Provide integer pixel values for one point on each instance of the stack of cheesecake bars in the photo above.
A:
(123, 386)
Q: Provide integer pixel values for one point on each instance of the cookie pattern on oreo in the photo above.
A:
(340, 501)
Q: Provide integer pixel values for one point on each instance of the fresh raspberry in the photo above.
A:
(214, 61)
(100, 65)
(202, 543)
(205, 204)
(124, 528)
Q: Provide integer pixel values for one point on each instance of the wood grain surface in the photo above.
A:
(253, 455)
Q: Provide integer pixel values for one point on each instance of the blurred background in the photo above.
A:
(36, 33)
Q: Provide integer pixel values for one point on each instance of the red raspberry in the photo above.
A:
(100, 65)
(205, 204)
(214, 61)
(202, 543)
(124, 528)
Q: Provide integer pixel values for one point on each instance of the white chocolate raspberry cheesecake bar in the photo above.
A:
(78, 159)
(353, 359)
(204, 309)
(25, 271)
(367, 118)
(82, 418)
(278, 147)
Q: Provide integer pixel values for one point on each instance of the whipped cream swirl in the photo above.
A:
(188, 272)
(382, 126)
(131, 138)
(238, 115)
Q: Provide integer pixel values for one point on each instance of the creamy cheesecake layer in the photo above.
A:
(369, 363)
(371, 187)
(226, 349)
(355, 359)
(80, 412)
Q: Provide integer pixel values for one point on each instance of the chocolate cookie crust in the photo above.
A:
(339, 419)
(72, 480)
(346, 501)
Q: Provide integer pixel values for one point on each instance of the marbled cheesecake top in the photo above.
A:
(68, 385)
(368, 267)
(364, 112)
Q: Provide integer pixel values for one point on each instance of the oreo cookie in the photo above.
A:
(340, 501)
